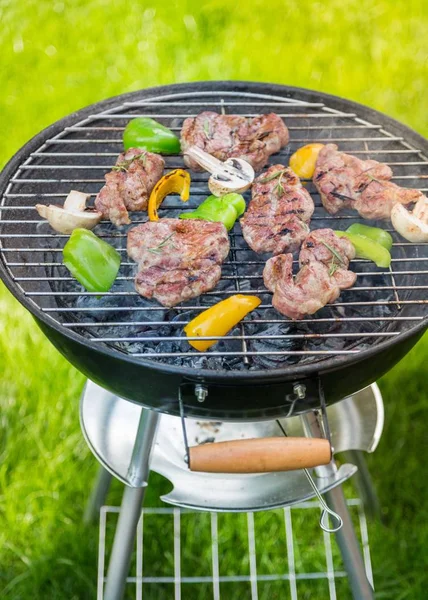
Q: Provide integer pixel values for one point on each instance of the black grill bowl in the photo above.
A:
(135, 348)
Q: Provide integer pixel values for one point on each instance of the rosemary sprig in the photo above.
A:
(272, 176)
(336, 257)
(207, 129)
(124, 166)
(158, 249)
(333, 268)
(373, 178)
(333, 251)
(279, 189)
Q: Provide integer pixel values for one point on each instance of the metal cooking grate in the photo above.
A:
(177, 567)
(381, 305)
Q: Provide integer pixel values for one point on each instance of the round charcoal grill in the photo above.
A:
(135, 347)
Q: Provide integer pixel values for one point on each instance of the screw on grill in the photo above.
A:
(299, 390)
(201, 393)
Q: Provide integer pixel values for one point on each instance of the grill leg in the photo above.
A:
(346, 538)
(365, 484)
(98, 495)
(350, 548)
(130, 509)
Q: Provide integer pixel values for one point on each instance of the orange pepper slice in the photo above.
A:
(174, 182)
(219, 319)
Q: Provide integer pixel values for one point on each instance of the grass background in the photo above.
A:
(58, 56)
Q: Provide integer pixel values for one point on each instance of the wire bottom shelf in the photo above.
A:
(279, 554)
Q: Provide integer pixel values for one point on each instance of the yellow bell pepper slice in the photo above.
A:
(174, 182)
(219, 319)
(303, 161)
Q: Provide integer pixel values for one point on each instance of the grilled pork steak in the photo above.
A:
(129, 184)
(277, 216)
(227, 136)
(345, 181)
(324, 260)
(177, 260)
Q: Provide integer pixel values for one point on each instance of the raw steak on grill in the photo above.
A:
(177, 259)
(345, 181)
(227, 136)
(129, 184)
(324, 260)
(278, 215)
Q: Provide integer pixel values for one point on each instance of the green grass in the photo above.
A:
(59, 56)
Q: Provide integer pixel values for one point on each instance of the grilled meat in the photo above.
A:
(227, 136)
(345, 181)
(177, 260)
(129, 184)
(277, 216)
(324, 260)
(379, 197)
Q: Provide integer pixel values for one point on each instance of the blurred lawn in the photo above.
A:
(59, 56)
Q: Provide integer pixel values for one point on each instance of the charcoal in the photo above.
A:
(159, 330)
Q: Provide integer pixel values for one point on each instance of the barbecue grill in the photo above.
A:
(266, 368)
(120, 339)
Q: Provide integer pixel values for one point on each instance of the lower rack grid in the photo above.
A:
(195, 555)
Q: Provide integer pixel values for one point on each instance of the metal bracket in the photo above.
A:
(201, 392)
(183, 426)
(326, 426)
(325, 509)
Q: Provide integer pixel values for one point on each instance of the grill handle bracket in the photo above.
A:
(260, 455)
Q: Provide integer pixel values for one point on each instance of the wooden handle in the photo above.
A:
(260, 455)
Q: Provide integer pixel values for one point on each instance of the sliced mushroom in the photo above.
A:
(76, 201)
(413, 226)
(231, 175)
(72, 215)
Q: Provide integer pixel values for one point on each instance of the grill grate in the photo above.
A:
(381, 305)
(240, 567)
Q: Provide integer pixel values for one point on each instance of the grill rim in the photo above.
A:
(219, 376)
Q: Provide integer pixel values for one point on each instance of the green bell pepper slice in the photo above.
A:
(236, 200)
(224, 209)
(146, 133)
(368, 248)
(93, 262)
(376, 234)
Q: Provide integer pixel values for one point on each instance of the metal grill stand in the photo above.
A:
(286, 578)
(346, 538)
(132, 502)
(132, 466)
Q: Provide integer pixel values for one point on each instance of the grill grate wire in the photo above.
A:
(383, 302)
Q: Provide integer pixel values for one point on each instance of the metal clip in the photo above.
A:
(326, 510)
(325, 424)
(183, 426)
